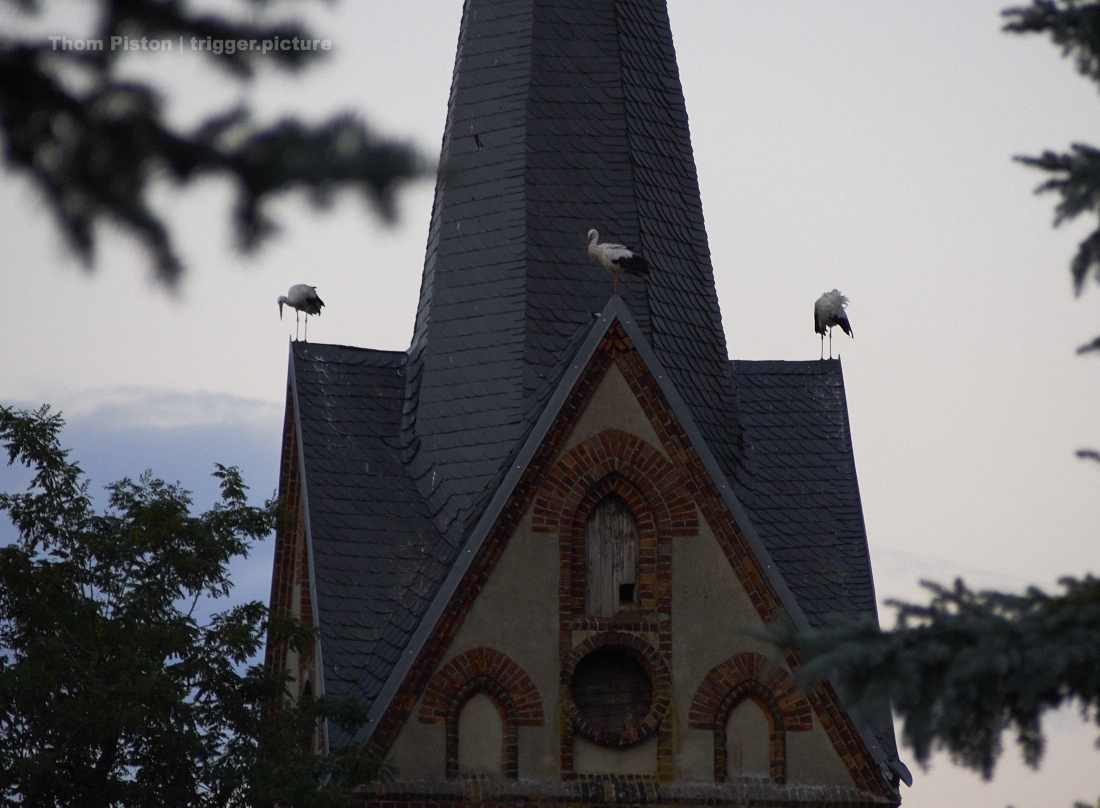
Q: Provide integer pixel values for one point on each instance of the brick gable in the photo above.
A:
(663, 494)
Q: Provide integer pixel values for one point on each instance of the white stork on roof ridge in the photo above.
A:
(616, 258)
(303, 299)
(829, 312)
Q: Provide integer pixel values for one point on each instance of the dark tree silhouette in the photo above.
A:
(114, 689)
(1075, 175)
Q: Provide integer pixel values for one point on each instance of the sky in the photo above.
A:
(850, 144)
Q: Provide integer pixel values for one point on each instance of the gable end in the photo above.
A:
(558, 504)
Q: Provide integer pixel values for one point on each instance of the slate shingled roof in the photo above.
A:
(564, 115)
(804, 499)
(377, 557)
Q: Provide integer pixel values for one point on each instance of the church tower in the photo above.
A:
(535, 544)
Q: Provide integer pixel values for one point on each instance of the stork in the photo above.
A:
(828, 312)
(301, 298)
(616, 258)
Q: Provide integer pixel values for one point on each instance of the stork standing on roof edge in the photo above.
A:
(303, 299)
(616, 258)
(829, 312)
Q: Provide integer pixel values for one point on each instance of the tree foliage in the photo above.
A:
(114, 689)
(94, 142)
(968, 666)
(1074, 175)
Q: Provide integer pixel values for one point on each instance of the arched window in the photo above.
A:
(611, 559)
(480, 737)
(750, 707)
(748, 741)
(481, 697)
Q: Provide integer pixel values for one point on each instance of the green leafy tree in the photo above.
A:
(93, 142)
(114, 690)
(968, 666)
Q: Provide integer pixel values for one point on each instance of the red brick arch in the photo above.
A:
(747, 677)
(659, 496)
(445, 685)
(509, 750)
(614, 452)
(489, 672)
(616, 462)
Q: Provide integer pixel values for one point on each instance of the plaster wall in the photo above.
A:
(811, 758)
(591, 758)
(748, 741)
(613, 406)
(419, 753)
(710, 614)
(480, 737)
(516, 613)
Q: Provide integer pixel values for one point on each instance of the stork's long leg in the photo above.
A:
(830, 342)
(297, 323)
(307, 326)
(822, 344)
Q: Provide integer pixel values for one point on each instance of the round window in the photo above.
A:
(613, 693)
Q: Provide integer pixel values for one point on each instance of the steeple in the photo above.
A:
(564, 115)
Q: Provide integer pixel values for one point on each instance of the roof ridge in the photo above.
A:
(304, 349)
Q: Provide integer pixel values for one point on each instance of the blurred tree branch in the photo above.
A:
(94, 152)
(967, 666)
(1075, 27)
(1075, 175)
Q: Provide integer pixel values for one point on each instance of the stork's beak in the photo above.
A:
(280, 309)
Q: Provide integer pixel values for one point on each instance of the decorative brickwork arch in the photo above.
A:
(616, 463)
(614, 452)
(509, 748)
(742, 677)
(657, 493)
(653, 663)
(488, 671)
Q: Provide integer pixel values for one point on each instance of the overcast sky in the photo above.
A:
(858, 145)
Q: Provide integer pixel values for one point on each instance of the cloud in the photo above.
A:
(126, 408)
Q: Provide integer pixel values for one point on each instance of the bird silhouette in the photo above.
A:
(829, 312)
(303, 299)
(616, 258)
